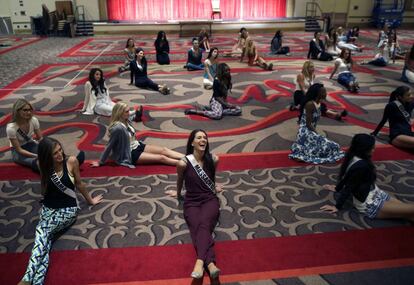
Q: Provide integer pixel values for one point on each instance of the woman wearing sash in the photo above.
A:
(20, 131)
(357, 179)
(201, 205)
(126, 150)
(60, 178)
(398, 113)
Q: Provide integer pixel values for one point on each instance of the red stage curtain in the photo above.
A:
(164, 10)
(264, 9)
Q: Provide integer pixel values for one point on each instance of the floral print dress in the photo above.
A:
(312, 147)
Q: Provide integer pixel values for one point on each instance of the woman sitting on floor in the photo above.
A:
(398, 113)
(126, 150)
(204, 40)
(343, 41)
(21, 130)
(129, 52)
(303, 81)
(395, 49)
(276, 45)
(238, 48)
(408, 71)
(60, 177)
(343, 65)
(331, 43)
(382, 57)
(97, 98)
(195, 54)
(357, 179)
(139, 68)
(317, 49)
(210, 68)
(162, 48)
(253, 56)
(310, 146)
(219, 106)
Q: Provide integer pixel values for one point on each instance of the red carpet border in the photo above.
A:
(233, 257)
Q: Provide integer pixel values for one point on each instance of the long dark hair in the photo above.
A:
(161, 40)
(311, 95)
(45, 155)
(361, 146)
(398, 92)
(278, 34)
(207, 157)
(349, 59)
(97, 84)
(143, 60)
(333, 35)
(224, 77)
(129, 39)
(210, 54)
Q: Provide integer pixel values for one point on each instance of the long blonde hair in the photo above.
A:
(17, 106)
(305, 69)
(117, 113)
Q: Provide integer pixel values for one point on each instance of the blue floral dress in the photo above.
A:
(312, 147)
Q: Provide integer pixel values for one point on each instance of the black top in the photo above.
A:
(276, 44)
(193, 58)
(55, 198)
(138, 72)
(219, 90)
(358, 181)
(398, 123)
(162, 47)
(314, 49)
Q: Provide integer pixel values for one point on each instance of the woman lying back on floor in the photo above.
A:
(398, 113)
(357, 179)
(60, 177)
(24, 133)
(126, 150)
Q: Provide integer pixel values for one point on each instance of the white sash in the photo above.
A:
(63, 188)
(403, 111)
(201, 173)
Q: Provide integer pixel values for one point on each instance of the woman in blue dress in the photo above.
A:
(310, 146)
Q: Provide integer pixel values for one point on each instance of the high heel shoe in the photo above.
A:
(197, 275)
(214, 273)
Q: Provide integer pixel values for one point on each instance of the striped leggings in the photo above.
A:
(51, 221)
(217, 110)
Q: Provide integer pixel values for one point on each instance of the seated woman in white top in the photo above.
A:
(210, 68)
(343, 65)
(24, 133)
(97, 98)
(408, 71)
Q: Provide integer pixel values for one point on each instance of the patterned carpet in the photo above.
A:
(257, 203)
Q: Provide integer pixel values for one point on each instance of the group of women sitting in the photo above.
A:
(196, 169)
